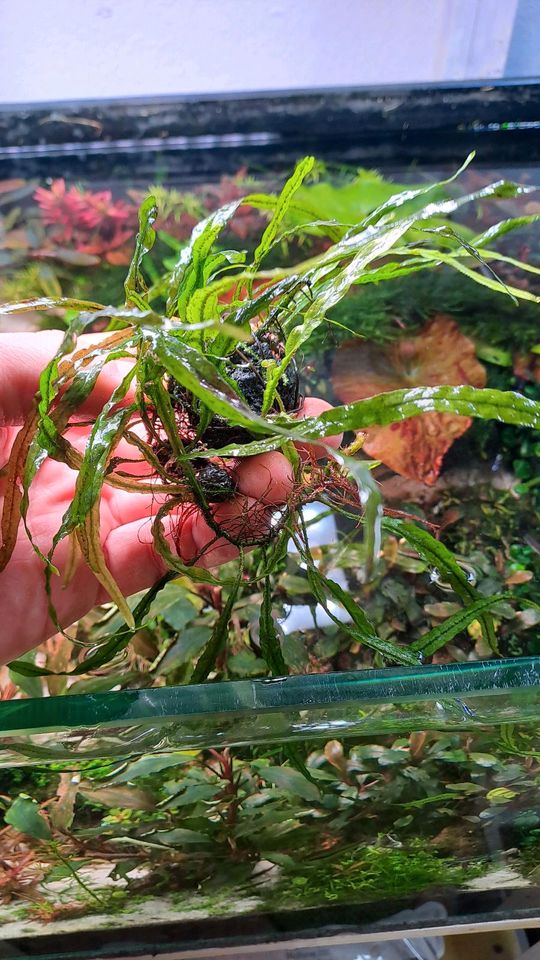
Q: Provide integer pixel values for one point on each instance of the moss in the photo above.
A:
(374, 872)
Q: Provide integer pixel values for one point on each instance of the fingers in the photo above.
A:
(313, 407)
(23, 357)
(268, 477)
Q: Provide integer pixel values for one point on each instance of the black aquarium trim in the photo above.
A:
(210, 134)
(214, 933)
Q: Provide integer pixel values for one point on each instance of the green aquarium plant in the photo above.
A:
(211, 377)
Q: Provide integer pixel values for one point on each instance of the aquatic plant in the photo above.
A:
(211, 379)
(372, 819)
(91, 221)
(374, 872)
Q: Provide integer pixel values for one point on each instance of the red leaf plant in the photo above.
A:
(93, 223)
(439, 354)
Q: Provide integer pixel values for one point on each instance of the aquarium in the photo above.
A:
(296, 693)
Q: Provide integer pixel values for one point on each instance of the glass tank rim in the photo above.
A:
(386, 686)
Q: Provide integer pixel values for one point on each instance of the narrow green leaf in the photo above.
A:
(134, 284)
(49, 303)
(106, 432)
(363, 630)
(502, 227)
(370, 498)
(397, 200)
(396, 405)
(268, 638)
(218, 638)
(392, 407)
(25, 669)
(437, 257)
(188, 273)
(119, 640)
(444, 566)
(440, 635)
(199, 375)
(302, 169)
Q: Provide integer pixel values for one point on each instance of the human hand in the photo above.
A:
(262, 482)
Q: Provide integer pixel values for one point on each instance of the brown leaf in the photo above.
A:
(333, 751)
(74, 258)
(132, 798)
(90, 543)
(519, 576)
(439, 354)
(442, 610)
(11, 515)
(417, 742)
(62, 810)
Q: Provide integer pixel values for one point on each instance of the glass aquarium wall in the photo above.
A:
(343, 722)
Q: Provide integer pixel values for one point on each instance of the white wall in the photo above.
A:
(73, 49)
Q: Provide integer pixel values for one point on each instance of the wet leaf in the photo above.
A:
(147, 766)
(436, 638)
(292, 781)
(49, 303)
(445, 568)
(303, 168)
(188, 274)
(502, 405)
(440, 354)
(24, 815)
(62, 811)
(268, 638)
(88, 535)
(199, 375)
(129, 798)
(105, 434)
(504, 226)
(218, 637)
(134, 284)
(362, 630)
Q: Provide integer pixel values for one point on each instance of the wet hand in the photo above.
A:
(262, 482)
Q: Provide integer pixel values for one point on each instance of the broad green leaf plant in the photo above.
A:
(213, 378)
